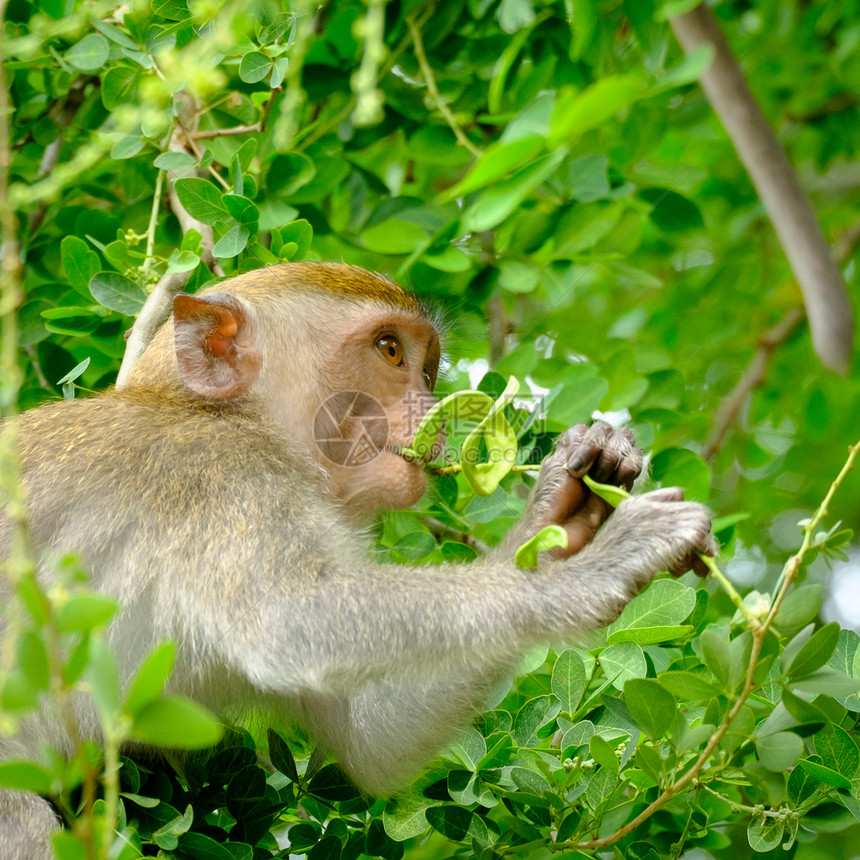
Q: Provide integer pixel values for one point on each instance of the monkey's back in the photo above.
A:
(171, 501)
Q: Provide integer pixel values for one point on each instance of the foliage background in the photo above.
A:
(593, 232)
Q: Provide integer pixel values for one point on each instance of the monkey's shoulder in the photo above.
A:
(157, 439)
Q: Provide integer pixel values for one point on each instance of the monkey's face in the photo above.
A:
(353, 391)
(380, 382)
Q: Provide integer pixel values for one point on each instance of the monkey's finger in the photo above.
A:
(620, 462)
(631, 459)
(571, 437)
(582, 457)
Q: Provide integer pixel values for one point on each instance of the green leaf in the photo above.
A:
(494, 204)
(838, 751)
(117, 293)
(467, 788)
(451, 821)
(568, 680)
(414, 546)
(114, 34)
(462, 405)
(254, 67)
(670, 211)
(393, 237)
(80, 263)
(33, 660)
(610, 494)
(665, 602)
(814, 767)
(331, 784)
(232, 242)
(182, 261)
(549, 537)
(578, 112)
(518, 277)
(300, 233)
(689, 686)
(241, 208)
(175, 723)
(682, 468)
(531, 716)
(26, 776)
(623, 661)
(89, 54)
(75, 373)
(715, 652)
(801, 786)
(780, 751)
(650, 635)
(84, 612)
(202, 847)
(282, 756)
(167, 837)
(102, 674)
(765, 834)
(500, 442)
(175, 161)
(127, 146)
(497, 161)
(650, 704)
(815, 653)
(148, 683)
(406, 816)
(201, 198)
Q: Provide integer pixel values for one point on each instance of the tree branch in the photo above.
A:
(752, 377)
(154, 313)
(825, 296)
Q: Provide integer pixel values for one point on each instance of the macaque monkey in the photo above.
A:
(199, 496)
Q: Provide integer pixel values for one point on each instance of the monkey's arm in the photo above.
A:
(328, 621)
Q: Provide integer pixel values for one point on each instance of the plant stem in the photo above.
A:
(759, 631)
(433, 89)
(153, 223)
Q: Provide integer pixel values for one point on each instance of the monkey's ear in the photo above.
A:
(215, 346)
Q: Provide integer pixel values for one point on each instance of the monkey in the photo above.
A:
(198, 495)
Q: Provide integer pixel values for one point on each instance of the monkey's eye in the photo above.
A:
(429, 379)
(391, 349)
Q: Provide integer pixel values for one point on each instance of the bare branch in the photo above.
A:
(752, 377)
(154, 313)
(224, 132)
(825, 296)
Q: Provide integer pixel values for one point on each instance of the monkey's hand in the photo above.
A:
(647, 534)
(561, 498)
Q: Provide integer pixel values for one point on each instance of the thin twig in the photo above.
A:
(439, 530)
(430, 81)
(751, 379)
(224, 132)
(759, 632)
